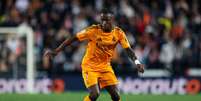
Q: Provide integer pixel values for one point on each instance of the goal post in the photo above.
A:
(25, 30)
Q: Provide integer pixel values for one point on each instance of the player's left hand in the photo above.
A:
(140, 68)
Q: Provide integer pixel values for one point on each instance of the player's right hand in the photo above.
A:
(49, 54)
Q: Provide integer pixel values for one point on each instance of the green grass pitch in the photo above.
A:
(78, 96)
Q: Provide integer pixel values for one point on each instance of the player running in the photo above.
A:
(96, 68)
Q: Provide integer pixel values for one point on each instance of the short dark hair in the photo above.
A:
(106, 11)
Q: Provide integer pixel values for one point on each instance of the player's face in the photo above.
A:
(106, 22)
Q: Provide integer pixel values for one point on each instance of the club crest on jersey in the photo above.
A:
(114, 39)
(98, 39)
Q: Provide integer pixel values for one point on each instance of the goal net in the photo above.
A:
(17, 56)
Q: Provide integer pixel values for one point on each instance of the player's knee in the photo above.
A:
(115, 97)
(94, 95)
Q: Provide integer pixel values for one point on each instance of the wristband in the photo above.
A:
(137, 62)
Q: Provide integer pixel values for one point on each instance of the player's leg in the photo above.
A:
(114, 92)
(94, 93)
(91, 83)
(109, 81)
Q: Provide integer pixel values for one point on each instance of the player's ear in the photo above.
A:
(112, 18)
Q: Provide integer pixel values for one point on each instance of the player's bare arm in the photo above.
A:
(67, 42)
(132, 56)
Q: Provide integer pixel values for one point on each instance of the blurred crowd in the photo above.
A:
(165, 34)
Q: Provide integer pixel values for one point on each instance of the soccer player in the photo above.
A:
(96, 68)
